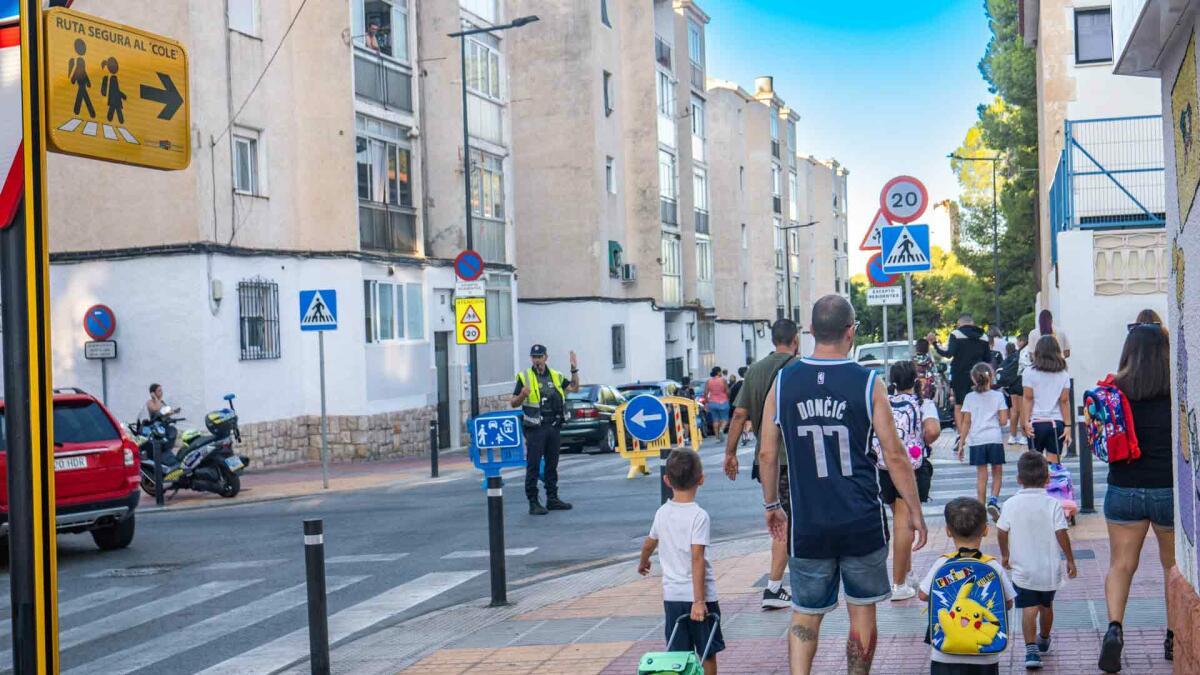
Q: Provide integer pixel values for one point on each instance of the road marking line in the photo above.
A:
(483, 554)
(208, 630)
(71, 125)
(89, 129)
(144, 613)
(293, 647)
(242, 564)
(89, 601)
(364, 558)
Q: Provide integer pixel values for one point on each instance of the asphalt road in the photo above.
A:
(221, 590)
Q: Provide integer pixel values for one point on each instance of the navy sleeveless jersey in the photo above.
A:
(823, 410)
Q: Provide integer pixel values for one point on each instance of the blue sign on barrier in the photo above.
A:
(497, 441)
(646, 418)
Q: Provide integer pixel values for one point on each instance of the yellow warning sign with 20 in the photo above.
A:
(115, 92)
(470, 320)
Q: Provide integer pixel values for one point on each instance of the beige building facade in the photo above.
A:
(319, 176)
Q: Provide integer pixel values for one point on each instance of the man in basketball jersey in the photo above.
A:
(825, 408)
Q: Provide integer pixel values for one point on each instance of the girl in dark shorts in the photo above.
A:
(984, 416)
(1047, 399)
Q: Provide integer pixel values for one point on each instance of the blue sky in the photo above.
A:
(885, 87)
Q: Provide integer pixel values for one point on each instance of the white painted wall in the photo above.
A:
(731, 353)
(586, 328)
(1098, 92)
(1095, 324)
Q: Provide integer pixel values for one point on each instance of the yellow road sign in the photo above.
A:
(470, 320)
(115, 92)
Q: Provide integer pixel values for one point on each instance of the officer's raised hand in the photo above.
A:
(574, 362)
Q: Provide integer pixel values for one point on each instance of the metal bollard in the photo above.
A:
(665, 492)
(495, 498)
(1087, 491)
(318, 621)
(1075, 415)
(159, 498)
(433, 449)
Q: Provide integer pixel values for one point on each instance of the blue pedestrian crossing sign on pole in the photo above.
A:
(646, 418)
(318, 310)
(497, 441)
(906, 249)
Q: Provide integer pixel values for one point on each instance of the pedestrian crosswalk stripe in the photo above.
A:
(293, 647)
(89, 129)
(154, 610)
(110, 133)
(71, 124)
(89, 601)
(203, 632)
(242, 564)
(483, 554)
(127, 136)
(364, 558)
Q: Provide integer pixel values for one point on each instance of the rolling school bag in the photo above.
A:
(678, 663)
(1061, 488)
(968, 613)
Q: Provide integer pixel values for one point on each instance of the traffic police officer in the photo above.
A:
(541, 394)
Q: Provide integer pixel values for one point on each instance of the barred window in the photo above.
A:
(258, 312)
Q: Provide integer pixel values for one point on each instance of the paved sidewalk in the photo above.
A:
(298, 480)
(606, 630)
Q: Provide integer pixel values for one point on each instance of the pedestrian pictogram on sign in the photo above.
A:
(906, 249)
(115, 92)
(871, 240)
(470, 320)
(318, 310)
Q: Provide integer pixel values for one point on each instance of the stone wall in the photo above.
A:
(400, 433)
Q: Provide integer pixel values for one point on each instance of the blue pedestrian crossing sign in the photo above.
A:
(646, 418)
(318, 310)
(906, 249)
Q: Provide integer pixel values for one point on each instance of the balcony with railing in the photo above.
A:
(701, 217)
(1110, 176)
(489, 239)
(668, 211)
(672, 290)
(379, 80)
(382, 227)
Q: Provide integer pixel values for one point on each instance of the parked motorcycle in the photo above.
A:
(205, 462)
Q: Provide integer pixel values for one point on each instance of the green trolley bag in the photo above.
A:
(677, 663)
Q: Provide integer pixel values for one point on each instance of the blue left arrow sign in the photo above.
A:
(646, 418)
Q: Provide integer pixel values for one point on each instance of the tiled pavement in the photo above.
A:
(607, 631)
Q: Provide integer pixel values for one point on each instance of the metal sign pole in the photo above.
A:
(324, 420)
(886, 355)
(104, 381)
(908, 303)
(495, 500)
(25, 299)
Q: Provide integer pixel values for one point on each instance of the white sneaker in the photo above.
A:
(1012, 439)
(902, 592)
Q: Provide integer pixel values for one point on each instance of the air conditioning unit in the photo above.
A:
(628, 272)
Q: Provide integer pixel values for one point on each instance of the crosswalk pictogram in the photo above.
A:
(116, 134)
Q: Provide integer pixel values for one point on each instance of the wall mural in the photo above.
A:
(1189, 459)
(1184, 108)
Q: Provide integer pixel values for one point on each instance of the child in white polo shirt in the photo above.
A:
(1033, 528)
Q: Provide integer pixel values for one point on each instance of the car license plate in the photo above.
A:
(234, 463)
(69, 463)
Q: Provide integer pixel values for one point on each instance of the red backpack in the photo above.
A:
(1109, 423)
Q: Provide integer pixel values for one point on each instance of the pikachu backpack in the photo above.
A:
(967, 612)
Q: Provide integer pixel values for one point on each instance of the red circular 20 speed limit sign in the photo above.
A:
(903, 199)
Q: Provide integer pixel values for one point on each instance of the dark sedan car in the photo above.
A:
(652, 387)
(589, 418)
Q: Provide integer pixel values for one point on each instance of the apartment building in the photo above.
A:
(337, 189)
(615, 248)
(1101, 198)
(826, 257)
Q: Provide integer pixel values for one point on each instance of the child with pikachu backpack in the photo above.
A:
(969, 595)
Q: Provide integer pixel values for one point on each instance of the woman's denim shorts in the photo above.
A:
(1125, 506)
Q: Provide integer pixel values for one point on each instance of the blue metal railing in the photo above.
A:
(1109, 176)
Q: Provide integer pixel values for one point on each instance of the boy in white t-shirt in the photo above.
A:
(680, 533)
(984, 416)
(966, 523)
(1033, 528)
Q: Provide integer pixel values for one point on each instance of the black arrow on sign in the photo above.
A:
(168, 96)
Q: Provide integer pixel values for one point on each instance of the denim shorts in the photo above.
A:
(718, 412)
(815, 581)
(1125, 506)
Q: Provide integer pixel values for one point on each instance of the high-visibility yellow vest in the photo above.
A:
(530, 379)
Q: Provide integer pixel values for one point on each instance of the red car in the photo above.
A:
(95, 472)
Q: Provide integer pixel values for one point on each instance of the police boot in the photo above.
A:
(536, 508)
(556, 504)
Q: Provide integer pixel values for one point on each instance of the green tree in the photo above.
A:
(939, 297)
(1006, 128)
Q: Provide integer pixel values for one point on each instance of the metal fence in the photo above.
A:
(1110, 175)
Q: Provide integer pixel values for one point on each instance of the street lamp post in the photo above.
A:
(462, 50)
(787, 261)
(995, 236)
